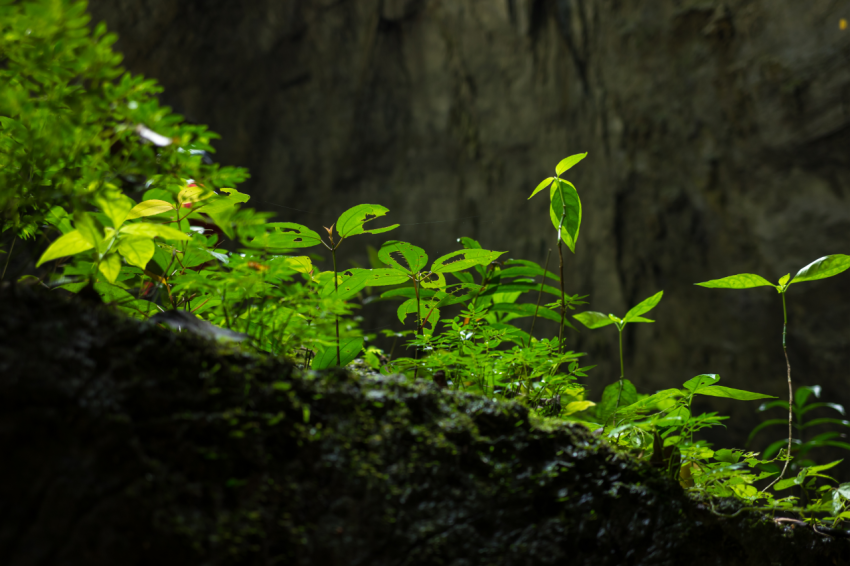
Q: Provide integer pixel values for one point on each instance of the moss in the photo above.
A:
(170, 449)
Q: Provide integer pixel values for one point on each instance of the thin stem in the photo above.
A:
(336, 292)
(790, 394)
(8, 257)
(418, 326)
(561, 257)
(539, 296)
(622, 371)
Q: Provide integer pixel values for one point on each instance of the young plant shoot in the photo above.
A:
(822, 268)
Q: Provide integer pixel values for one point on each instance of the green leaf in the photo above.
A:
(822, 268)
(68, 244)
(571, 205)
(643, 307)
(350, 222)
(116, 206)
(568, 162)
(149, 230)
(701, 380)
(824, 467)
(301, 264)
(463, 259)
(804, 392)
(741, 281)
(608, 405)
(387, 276)
(348, 350)
(592, 319)
(784, 279)
(527, 309)
(350, 282)
(149, 208)
(434, 281)
(469, 243)
(89, 230)
(543, 184)
(287, 235)
(426, 310)
(729, 393)
(110, 266)
(137, 251)
(786, 483)
(764, 425)
(403, 256)
(728, 456)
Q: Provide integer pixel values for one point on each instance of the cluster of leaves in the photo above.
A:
(137, 212)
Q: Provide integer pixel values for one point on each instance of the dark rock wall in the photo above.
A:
(717, 135)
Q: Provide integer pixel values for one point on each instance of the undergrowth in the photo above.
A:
(122, 197)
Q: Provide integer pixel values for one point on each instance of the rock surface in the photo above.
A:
(125, 443)
(717, 132)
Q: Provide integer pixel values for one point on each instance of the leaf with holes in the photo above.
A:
(286, 235)
(350, 222)
(463, 259)
(349, 283)
(403, 256)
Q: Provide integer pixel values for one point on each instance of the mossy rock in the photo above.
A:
(124, 443)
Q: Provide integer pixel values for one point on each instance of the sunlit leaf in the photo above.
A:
(569, 209)
(741, 281)
(402, 255)
(578, 406)
(350, 222)
(137, 251)
(149, 230)
(68, 244)
(350, 282)
(568, 162)
(387, 276)
(149, 208)
(301, 264)
(116, 206)
(463, 259)
(729, 393)
(700, 381)
(286, 235)
(643, 307)
(592, 319)
(822, 268)
(625, 392)
(543, 185)
(110, 267)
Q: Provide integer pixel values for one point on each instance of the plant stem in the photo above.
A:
(8, 257)
(336, 291)
(561, 256)
(418, 325)
(790, 394)
(622, 372)
(539, 296)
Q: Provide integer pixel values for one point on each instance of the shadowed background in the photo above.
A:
(717, 136)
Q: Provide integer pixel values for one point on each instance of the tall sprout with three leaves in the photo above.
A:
(822, 268)
(288, 235)
(565, 213)
(593, 319)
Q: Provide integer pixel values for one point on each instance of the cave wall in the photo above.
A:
(716, 132)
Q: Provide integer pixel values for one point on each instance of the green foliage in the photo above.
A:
(123, 197)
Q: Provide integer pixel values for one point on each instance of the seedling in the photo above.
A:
(822, 268)
(592, 320)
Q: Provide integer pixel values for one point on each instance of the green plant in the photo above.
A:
(822, 268)
(593, 319)
(800, 409)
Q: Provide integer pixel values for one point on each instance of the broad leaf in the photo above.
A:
(568, 162)
(387, 276)
(469, 243)
(193, 193)
(137, 251)
(434, 281)
(116, 206)
(149, 208)
(301, 264)
(822, 268)
(643, 307)
(149, 230)
(402, 255)
(71, 243)
(426, 310)
(89, 230)
(543, 185)
(592, 319)
(348, 350)
(701, 380)
(569, 208)
(741, 281)
(527, 309)
(110, 267)
(608, 405)
(287, 235)
(350, 282)
(463, 259)
(729, 393)
(350, 222)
